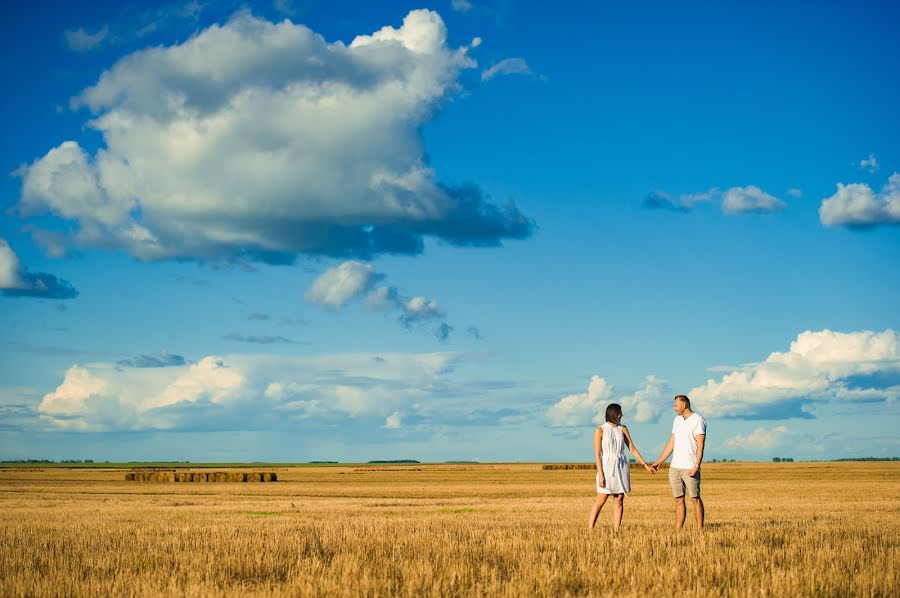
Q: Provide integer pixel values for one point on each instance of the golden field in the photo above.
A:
(786, 529)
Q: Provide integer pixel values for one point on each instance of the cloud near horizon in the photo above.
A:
(242, 391)
(644, 405)
(760, 439)
(262, 141)
(819, 367)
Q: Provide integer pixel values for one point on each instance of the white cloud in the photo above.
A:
(394, 421)
(645, 404)
(870, 164)
(819, 366)
(578, 409)
(336, 286)
(244, 390)
(10, 268)
(690, 200)
(262, 141)
(80, 40)
(209, 379)
(750, 199)
(507, 66)
(760, 439)
(461, 5)
(16, 281)
(858, 205)
(794, 192)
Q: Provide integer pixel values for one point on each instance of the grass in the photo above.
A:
(796, 529)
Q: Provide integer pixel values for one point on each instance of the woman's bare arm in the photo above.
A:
(633, 448)
(598, 453)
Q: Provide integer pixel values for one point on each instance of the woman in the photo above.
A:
(613, 477)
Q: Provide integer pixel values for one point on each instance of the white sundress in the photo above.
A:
(615, 463)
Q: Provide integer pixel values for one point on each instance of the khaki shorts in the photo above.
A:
(681, 482)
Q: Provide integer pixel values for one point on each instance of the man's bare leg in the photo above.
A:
(618, 510)
(595, 510)
(698, 512)
(679, 512)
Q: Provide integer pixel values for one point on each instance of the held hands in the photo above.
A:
(650, 468)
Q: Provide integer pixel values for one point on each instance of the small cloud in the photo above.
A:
(750, 199)
(794, 192)
(16, 281)
(442, 332)
(285, 7)
(336, 286)
(411, 311)
(163, 359)
(858, 206)
(660, 200)
(258, 316)
(507, 66)
(870, 164)
(260, 340)
(473, 332)
(461, 5)
(80, 40)
(393, 421)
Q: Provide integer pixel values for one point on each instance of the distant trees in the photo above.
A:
(783, 459)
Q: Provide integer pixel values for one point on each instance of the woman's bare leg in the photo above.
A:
(595, 510)
(618, 511)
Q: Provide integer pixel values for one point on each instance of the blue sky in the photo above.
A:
(303, 230)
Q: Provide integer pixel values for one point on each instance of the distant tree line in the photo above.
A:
(48, 461)
(869, 459)
(783, 459)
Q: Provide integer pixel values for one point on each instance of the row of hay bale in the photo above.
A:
(212, 476)
(555, 466)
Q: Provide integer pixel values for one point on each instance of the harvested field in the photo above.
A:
(203, 476)
(793, 529)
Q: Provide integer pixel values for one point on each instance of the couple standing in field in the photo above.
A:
(613, 477)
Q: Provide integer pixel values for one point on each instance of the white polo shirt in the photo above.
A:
(684, 455)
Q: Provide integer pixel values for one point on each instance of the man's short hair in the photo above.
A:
(685, 400)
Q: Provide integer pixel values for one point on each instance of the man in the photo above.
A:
(686, 447)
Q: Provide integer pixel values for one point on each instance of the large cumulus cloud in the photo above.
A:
(820, 366)
(243, 391)
(262, 141)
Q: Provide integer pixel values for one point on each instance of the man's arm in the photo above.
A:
(670, 446)
(701, 441)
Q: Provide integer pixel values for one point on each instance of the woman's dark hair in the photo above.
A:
(612, 410)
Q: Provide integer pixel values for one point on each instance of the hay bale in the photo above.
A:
(140, 476)
(129, 477)
(169, 477)
(182, 477)
(269, 476)
(240, 476)
(254, 477)
(198, 477)
(221, 476)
